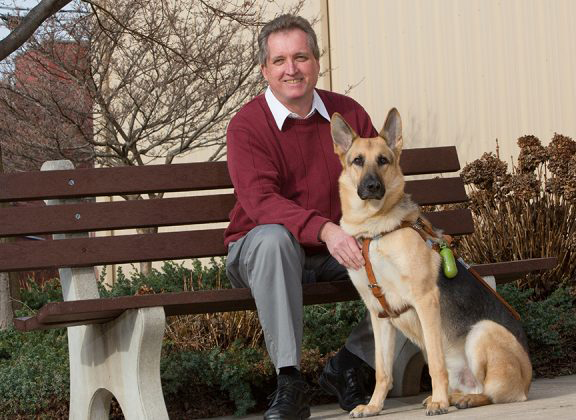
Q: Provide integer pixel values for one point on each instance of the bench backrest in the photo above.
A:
(197, 210)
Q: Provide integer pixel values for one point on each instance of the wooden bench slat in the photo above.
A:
(83, 252)
(93, 311)
(173, 177)
(91, 216)
(437, 191)
(452, 222)
(508, 271)
(88, 182)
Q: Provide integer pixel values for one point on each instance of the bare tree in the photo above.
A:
(130, 82)
(134, 81)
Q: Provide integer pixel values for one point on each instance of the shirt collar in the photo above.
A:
(280, 112)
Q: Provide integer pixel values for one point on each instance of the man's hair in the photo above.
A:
(286, 23)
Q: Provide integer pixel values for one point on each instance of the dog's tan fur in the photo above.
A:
(489, 365)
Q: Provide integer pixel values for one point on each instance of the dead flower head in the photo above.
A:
(525, 185)
(532, 153)
(560, 150)
(484, 173)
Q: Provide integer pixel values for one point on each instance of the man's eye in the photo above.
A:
(383, 160)
(301, 58)
(358, 161)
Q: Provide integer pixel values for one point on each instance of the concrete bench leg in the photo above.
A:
(408, 365)
(120, 359)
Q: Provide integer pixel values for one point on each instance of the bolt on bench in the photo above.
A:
(115, 343)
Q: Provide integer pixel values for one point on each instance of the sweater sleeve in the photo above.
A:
(257, 182)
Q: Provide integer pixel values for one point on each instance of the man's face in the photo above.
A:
(291, 70)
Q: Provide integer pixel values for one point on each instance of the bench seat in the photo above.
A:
(94, 311)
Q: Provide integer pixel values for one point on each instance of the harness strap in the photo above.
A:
(375, 287)
(426, 231)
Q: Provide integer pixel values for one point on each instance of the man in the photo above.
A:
(284, 228)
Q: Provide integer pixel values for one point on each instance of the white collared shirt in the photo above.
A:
(280, 112)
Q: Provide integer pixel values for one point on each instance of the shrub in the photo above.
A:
(550, 325)
(230, 373)
(34, 372)
(172, 277)
(35, 295)
(327, 326)
(528, 213)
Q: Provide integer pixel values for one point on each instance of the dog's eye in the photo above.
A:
(383, 160)
(359, 160)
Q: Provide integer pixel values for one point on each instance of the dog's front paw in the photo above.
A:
(434, 408)
(365, 411)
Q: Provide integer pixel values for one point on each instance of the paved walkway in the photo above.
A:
(548, 399)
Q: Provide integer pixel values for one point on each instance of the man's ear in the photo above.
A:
(264, 71)
(392, 131)
(342, 134)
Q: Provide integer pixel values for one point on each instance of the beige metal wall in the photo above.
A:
(464, 72)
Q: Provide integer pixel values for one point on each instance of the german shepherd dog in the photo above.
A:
(476, 350)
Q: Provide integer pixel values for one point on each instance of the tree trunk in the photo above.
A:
(6, 313)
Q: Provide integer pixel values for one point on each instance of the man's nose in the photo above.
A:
(291, 67)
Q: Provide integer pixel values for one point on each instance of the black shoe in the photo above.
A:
(291, 401)
(346, 385)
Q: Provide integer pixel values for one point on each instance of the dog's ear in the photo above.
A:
(392, 130)
(342, 134)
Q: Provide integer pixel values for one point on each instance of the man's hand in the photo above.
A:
(342, 246)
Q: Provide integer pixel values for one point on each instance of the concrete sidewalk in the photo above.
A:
(548, 399)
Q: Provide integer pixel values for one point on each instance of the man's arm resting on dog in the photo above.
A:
(342, 246)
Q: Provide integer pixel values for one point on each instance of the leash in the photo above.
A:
(427, 233)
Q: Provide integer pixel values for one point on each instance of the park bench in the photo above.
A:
(115, 343)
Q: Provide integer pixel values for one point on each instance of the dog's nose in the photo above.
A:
(371, 187)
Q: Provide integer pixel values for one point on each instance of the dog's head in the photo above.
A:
(371, 165)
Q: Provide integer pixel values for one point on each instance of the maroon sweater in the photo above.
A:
(287, 177)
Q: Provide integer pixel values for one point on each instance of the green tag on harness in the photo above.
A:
(448, 262)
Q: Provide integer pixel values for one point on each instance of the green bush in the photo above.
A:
(172, 277)
(550, 325)
(234, 373)
(327, 326)
(34, 372)
(34, 295)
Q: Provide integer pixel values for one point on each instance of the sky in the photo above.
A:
(7, 8)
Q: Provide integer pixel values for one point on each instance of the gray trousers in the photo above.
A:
(271, 262)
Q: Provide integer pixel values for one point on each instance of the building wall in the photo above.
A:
(460, 72)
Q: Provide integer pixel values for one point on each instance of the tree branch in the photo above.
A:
(26, 28)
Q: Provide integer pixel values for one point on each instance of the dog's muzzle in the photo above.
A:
(371, 188)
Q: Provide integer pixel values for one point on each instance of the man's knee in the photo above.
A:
(270, 239)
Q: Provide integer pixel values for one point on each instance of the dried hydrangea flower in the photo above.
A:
(484, 172)
(560, 151)
(532, 153)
